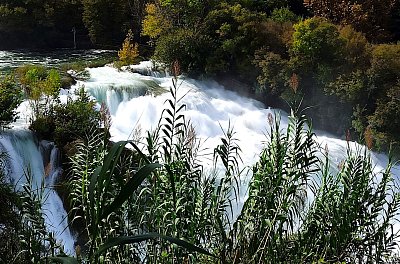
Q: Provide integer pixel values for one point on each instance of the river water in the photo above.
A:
(136, 100)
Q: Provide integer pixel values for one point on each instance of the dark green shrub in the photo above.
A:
(10, 98)
(73, 119)
(43, 126)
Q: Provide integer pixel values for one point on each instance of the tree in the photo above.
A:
(10, 98)
(106, 20)
(155, 22)
(41, 86)
(235, 33)
(385, 121)
(371, 17)
(316, 41)
(129, 52)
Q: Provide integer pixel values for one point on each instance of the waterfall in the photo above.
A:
(210, 107)
(42, 159)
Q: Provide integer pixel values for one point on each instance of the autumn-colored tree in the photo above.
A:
(129, 52)
(155, 23)
(369, 16)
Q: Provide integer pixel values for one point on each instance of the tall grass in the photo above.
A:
(298, 209)
(277, 198)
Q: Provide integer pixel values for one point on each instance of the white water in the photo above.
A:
(209, 107)
(41, 159)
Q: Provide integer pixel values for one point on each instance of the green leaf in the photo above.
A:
(107, 168)
(130, 187)
(123, 240)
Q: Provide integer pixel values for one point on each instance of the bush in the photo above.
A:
(276, 36)
(74, 119)
(186, 46)
(385, 64)
(357, 49)
(385, 121)
(41, 86)
(275, 72)
(10, 98)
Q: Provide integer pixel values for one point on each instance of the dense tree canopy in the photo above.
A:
(372, 17)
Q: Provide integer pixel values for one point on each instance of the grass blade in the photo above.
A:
(130, 187)
(123, 240)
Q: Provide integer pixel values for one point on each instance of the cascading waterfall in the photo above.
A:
(41, 159)
(210, 107)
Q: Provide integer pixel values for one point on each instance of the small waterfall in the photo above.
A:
(42, 159)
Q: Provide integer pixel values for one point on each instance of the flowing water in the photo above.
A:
(10, 60)
(136, 100)
(40, 161)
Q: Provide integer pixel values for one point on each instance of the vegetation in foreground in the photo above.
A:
(156, 203)
(341, 58)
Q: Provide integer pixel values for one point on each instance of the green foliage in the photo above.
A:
(274, 76)
(131, 207)
(385, 121)
(368, 200)
(316, 41)
(102, 198)
(284, 15)
(276, 37)
(211, 39)
(357, 50)
(41, 86)
(375, 93)
(184, 46)
(385, 64)
(10, 98)
(72, 120)
(277, 195)
(51, 119)
(155, 23)
(24, 238)
(349, 87)
(10, 219)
